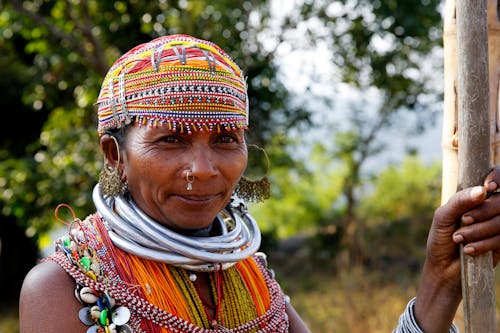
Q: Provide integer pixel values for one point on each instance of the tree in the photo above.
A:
(380, 46)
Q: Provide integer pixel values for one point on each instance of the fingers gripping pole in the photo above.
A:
(474, 153)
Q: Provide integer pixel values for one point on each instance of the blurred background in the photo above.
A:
(345, 97)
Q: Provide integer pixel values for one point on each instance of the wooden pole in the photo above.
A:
(474, 153)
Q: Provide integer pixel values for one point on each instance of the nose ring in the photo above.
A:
(189, 179)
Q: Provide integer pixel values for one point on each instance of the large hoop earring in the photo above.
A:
(254, 190)
(110, 180)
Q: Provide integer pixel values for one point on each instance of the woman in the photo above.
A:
(171, 249)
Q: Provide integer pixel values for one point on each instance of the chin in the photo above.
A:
(190, 222)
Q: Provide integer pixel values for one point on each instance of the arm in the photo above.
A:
(440, 290)
(47, 303)
(297, 325)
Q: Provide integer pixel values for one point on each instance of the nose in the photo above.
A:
(203, 163)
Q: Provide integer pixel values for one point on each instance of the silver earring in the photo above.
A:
(189, 179)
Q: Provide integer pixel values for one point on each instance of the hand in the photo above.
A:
(477, 209)
(479, 214)
(480, 231)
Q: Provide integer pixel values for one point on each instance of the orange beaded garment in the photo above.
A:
(161, 297)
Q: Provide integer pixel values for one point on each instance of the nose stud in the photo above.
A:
(189, 179)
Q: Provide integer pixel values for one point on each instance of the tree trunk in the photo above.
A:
(352, 238)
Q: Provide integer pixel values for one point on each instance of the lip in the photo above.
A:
(197, 199)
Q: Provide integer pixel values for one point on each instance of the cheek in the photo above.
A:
(238, 165)
(242, 167)
(147, 169)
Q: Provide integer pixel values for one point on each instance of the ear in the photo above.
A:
(111, 150)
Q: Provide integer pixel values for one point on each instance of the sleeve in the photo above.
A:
(408, 324)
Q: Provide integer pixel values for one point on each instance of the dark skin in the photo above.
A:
(35, 300)
(440, 291)
(154, 162)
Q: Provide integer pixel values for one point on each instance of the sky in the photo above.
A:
(316, 69)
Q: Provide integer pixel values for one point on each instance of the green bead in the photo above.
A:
(104, 317)
(66, 241)
(85, 261)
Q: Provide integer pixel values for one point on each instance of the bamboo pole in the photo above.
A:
(494, 55)
(474, 152)
(449, 138)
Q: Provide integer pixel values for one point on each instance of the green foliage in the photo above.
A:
(62, 169)
(409, 190)
(399, 210)
(395, 208)
(302, 197)
(56, 54)
(73, 42)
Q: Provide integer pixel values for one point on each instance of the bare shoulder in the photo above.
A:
(47, 302)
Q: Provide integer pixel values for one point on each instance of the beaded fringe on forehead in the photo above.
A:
(178, 81)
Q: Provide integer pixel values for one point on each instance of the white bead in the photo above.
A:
(87, 295)
(121, 316)
(84, 315)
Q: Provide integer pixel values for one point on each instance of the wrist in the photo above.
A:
(438, 298)
(408, 324)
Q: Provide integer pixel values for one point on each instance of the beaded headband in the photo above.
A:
(179, 81)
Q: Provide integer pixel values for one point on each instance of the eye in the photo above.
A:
(227, 138)
(169, 139)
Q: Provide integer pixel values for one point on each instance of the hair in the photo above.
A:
(120, 134)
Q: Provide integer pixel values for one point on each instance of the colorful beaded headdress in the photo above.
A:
(179, 81)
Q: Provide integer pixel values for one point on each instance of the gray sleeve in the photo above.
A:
(408, 324)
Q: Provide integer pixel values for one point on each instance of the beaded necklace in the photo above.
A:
(171, 289)
(155, 297)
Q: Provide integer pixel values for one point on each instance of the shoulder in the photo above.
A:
(47, 273)
(47, 301)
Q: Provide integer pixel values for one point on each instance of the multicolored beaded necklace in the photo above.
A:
(122, 292)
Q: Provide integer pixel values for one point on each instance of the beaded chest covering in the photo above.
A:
(112, 305)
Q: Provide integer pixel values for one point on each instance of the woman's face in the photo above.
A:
(155, 163)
